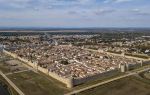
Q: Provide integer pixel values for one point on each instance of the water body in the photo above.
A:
(3, 90)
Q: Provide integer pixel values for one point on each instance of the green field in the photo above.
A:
(34, 84)
(127, 86)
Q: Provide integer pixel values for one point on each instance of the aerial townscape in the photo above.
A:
(73, 60)
(74, 47)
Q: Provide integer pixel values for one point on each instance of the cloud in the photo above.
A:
(120, 1)
(43, 3)
(116, 1)
(73, 12)
(139, 12)
(103, 11)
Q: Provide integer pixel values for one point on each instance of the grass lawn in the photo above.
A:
(34, 84)
(127, 86)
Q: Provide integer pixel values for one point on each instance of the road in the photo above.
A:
(107, 81)
(12, 84)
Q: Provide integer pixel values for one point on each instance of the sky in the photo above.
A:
(74, 13)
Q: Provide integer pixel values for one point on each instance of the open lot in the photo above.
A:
(32, 83)
(11, 66)
(127, 86)
(3, 67)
